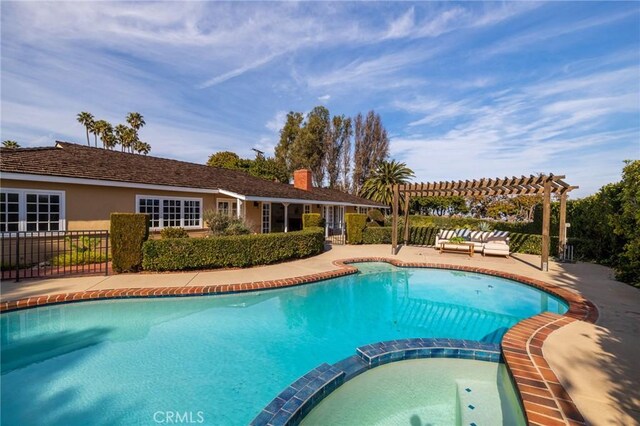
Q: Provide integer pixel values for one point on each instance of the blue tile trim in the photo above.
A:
(299, 398)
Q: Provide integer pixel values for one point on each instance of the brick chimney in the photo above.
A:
(302, 179)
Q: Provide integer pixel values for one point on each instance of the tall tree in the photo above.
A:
(339, 131)
(141, 147)
(120, 132)
(104, 130)
(377, 187)
(288, 135)
(308, 147)
(345, 160)
(359, 154)
(87, 120)
(371, 147)
(225, 160)
(135, 120)
(10, 144)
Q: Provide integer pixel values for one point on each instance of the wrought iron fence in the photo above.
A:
(336, 235)
(53, 253)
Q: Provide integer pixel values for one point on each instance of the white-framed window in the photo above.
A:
(363, 210)
(31, 210)
(228, 207)
(307, 208)
(171, 211)
(266, 218)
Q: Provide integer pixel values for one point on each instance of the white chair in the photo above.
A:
(497, 243)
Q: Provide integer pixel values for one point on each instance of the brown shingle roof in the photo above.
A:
(79, 161)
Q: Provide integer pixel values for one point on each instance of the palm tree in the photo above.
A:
(86, 119)
(104, 129)
(10, 144)
(92, 129)
(378, 186)
(135, 120)
(141, 147)
(122, 135)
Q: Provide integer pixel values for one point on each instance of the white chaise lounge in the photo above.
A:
(485, 242)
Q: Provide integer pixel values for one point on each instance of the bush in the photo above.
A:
(83, 252)
(312, 220)
(426, 236)
(231, 251)
(223, 224)
(376, 216)
(237, 227)
(217, 222)
(355, 225)
(174, 233)
(128, 232)
(377, 235)
(418, 235)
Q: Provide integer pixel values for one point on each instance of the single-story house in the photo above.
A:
(76, 187)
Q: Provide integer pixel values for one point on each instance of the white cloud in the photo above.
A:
(277, 122)
(324, 98)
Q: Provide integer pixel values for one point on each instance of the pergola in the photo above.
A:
(544, 185)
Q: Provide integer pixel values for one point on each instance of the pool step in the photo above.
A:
(478, 402)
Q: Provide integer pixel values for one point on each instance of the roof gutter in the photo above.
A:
(100, 182)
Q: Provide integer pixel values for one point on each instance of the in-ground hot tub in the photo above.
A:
(434, 391)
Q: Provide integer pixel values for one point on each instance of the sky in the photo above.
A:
(466, 90)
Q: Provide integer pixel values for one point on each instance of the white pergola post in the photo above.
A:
(286, 217)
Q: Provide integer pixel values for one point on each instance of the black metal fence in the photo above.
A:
(53, 253)
(336, 235)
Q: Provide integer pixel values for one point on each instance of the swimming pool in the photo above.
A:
(223, 358)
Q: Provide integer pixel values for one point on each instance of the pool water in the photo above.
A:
(223, 358)
(423, 392)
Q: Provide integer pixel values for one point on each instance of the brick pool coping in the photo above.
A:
(544, 399)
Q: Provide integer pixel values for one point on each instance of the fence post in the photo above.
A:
(106, 257)
(17, 256)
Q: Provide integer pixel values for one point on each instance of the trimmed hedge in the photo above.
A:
(174, 233)
(230, 251)
(128, 232)
(426, 236)
(418, 235)
(356, 224)
(312, 220)
(446, 222)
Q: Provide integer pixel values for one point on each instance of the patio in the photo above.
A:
(600, 376)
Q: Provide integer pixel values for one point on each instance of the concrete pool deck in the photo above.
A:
(594, 362)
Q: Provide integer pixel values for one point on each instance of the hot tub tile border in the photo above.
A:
(521, 345)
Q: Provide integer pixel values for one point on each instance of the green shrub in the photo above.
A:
(418, 235)
(530, 244)
(82, 252)
(376, 216)
(355, 225)
(426, 236)
(128, 232)
(231, 251)
(174, 233)
(78, 258)
(377, 235)
(237, 227)
(223, 224)
(311, 220)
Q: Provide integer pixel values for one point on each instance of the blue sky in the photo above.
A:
(466, 90)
